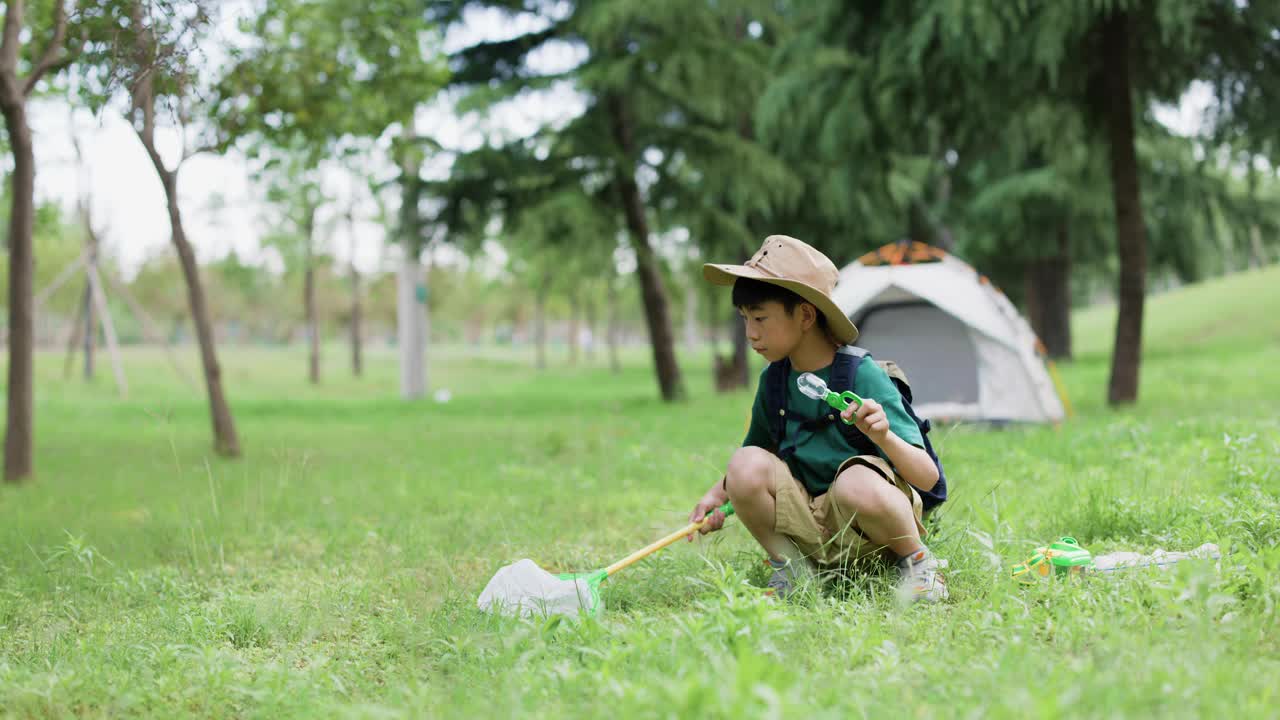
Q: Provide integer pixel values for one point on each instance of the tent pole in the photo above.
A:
(100, 299)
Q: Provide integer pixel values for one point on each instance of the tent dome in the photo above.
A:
(968, 352)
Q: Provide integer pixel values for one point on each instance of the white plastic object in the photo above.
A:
(812, 386)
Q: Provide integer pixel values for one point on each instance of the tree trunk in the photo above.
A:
(713, 324)
(309, 300)
(142, 118)
(1131, 238)
(357, 343)
(741, 350)
(18, 437)
(589, 312)
(90, 333)
(737, 374)
(611, 333)
(573, 328)
(225, 442)
(540, 324)
(919, 225)
(424, 320)
(656, 308)
(1047, 288)
(657, 312)
(357, 361)
(733, 372)
(411, 305)
(1257, 253)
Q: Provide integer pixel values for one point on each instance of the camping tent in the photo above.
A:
(968, 353)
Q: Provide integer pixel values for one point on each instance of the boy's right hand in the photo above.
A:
(710, 503)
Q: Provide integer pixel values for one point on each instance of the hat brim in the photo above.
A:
(841, 326)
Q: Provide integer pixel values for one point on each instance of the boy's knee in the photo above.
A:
(860, 490)
(750, 472)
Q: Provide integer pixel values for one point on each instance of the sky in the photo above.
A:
(128, 201)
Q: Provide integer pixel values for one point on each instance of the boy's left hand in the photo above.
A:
(870, 419)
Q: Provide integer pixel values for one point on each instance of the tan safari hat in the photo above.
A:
(787, 262)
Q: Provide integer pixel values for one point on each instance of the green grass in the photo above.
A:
(334, 569)
(1237, 308)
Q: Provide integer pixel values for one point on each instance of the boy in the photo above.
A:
(813, 497)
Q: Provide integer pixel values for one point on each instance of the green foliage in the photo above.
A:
(866, 106)
(128, 44)
(1244, 89)
(318, 71)
(292, 181)
(688, 75)
(319, 79)
(1037, 70)
(1033, 175)
(36, 37)
(976, 124)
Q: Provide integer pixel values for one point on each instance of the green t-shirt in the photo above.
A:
(819, 454)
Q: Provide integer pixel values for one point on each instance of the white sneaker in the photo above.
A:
(921, 580)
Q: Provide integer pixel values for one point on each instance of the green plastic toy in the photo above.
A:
(1064, 557)
(813, 386)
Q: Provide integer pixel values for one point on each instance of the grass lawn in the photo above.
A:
(334, 569)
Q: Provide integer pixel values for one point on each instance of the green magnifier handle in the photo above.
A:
(726, 508)
(840, 401)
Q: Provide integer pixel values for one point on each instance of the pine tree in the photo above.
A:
(1109, 60)
(668, 87)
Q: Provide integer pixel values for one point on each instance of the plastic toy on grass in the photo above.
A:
(523, 588)
(1064, 557)
(813, 386)
(1162, 559)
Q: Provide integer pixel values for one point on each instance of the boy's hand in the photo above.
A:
(710, 503)
(870, 419)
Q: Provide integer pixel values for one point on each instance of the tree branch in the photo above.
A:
(50, 57)
(210, 147)
(10, 43)
(217, 144)
(144, 95)
(144, 100)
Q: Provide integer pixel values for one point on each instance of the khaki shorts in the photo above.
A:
(818, 526)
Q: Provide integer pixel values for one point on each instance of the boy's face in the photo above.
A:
(772, 331)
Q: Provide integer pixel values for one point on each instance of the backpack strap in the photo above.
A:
(775, 399)
(844, 373)
(938, 495)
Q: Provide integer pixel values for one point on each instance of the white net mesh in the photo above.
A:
(1160, 558)
(523, 588)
